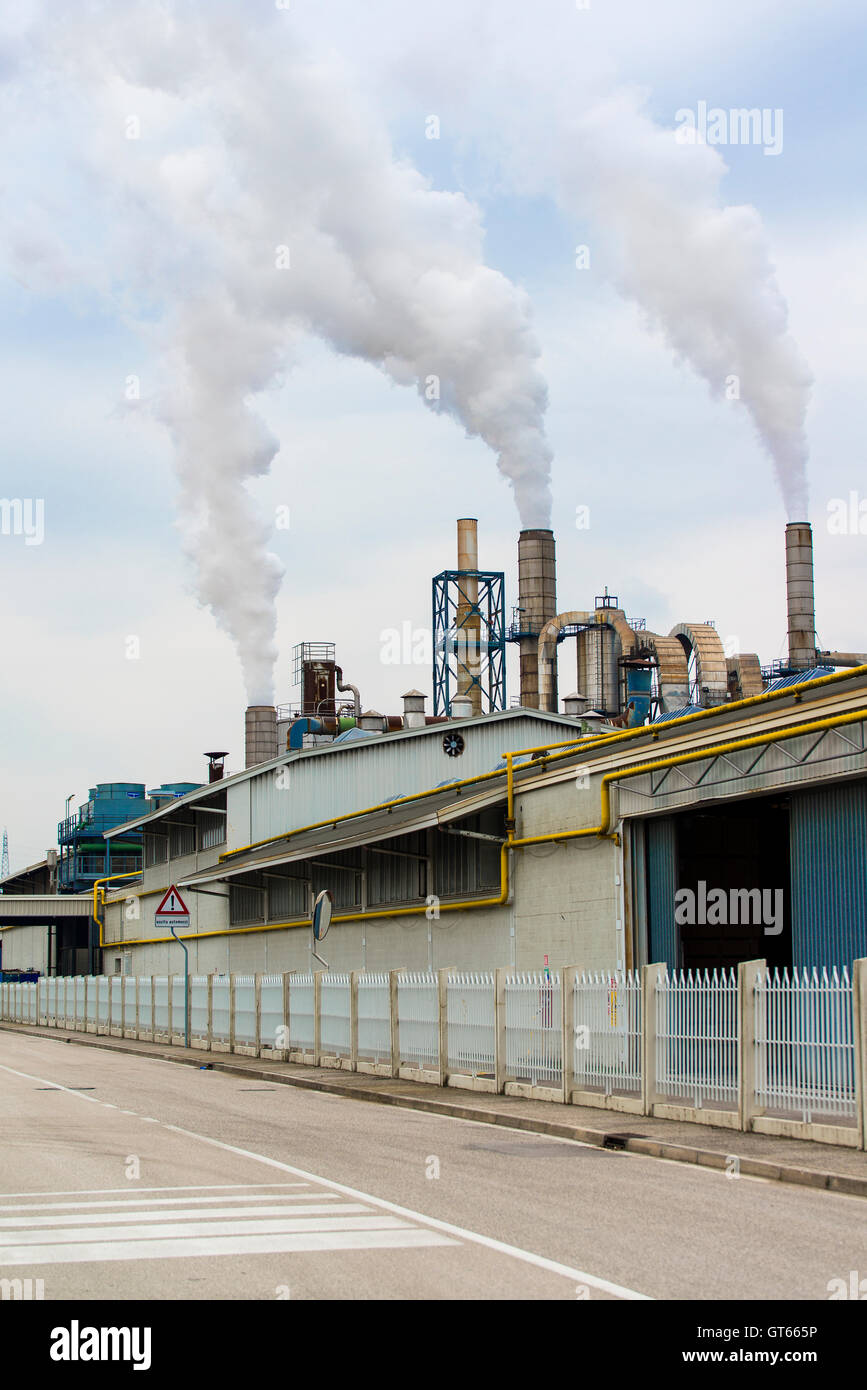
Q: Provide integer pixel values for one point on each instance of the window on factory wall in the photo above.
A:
(342, 878)
(397, 871)
(246, 904)
(182, 840)
(156, 849)
(212, 830)
(466, 865)
(287, 897)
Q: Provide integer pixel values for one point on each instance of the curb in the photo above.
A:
(595, 1138)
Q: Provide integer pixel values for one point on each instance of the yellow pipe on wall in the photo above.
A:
(348, 917)
(603, 829)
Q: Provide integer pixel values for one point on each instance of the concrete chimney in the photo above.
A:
(799, 595)
(467, 621)
(537, 600)
(260, 734)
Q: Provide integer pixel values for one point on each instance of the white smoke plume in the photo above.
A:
(257, 201)
(701, 271)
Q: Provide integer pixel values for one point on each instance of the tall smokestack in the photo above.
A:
(799, 595)
(537, 600)
(260, 734)
(467, 618)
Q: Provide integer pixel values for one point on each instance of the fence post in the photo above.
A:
(258, 1014)
(317, 1017)
(650, 974)
(859, 1038)
(443, 1021)
(209, 1022)
(748, 973)
(567, 993)
(170, 989)
(395, 1022)
(231, 1012)
(153, 1008)
(500, 1029)
(287, 976)
(84, 1005)
(353, 1020)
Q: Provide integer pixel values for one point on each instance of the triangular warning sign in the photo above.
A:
(173, 905)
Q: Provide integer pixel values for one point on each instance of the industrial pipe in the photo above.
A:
(338, 673)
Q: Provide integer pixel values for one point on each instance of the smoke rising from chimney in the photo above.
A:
(255, 200)
(701, 272)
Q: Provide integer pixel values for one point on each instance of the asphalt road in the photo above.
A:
(133, 1178)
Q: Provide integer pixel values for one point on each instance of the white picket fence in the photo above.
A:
(775, 1052)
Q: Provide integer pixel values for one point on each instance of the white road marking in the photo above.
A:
(132, 1203)
(577, 1276)
(134, 1191)
(403, 1239)
(86, 1217)
(357, 1218)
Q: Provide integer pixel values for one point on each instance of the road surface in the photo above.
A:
(133, 1178)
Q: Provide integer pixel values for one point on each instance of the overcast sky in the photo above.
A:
(554, 129)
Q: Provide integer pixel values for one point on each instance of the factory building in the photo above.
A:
(680, 805)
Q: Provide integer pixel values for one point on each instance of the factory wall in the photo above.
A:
(24, 948)
(467, 940)
(567, 899)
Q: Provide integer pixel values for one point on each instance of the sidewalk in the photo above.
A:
(808, 1164)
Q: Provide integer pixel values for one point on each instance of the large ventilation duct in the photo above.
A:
(260, 734)
(467, 620)
(537, 604)
(547, 655)
(799, 595)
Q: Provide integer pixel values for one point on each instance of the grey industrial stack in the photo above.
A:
(260, 734)
(537, 601)
(799, 595)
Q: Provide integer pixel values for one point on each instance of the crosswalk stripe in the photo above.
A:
(329, 1239)
(312, 1219)
(9, 1225)
(132, 1205)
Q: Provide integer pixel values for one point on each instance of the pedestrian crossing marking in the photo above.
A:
(233, 1222)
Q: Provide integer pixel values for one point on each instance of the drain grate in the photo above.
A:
(618, 1141)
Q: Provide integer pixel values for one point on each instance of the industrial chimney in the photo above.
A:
(799, 595)
(537, 603)
(467, 619)
(260, 734)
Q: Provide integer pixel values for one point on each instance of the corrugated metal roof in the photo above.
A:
(372, 828)
(345, 776)
(678, 713)
(795, 679)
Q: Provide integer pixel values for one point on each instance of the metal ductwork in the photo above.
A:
(344, 686)
(260, 734)
(799, 595)
(537, 604)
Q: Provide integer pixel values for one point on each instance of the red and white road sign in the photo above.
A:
(172, 911)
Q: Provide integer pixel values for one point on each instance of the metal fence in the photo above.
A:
(697, 1037)
(335, 1015)
(302, 1019)
(472, 1023)
(606, 1031)
(374, 1018)
(418, 1018)
(805, 1050)
(534, 1035)
(796, 1033)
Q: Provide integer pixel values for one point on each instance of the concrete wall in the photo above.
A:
(468, 940)
(566, 897)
